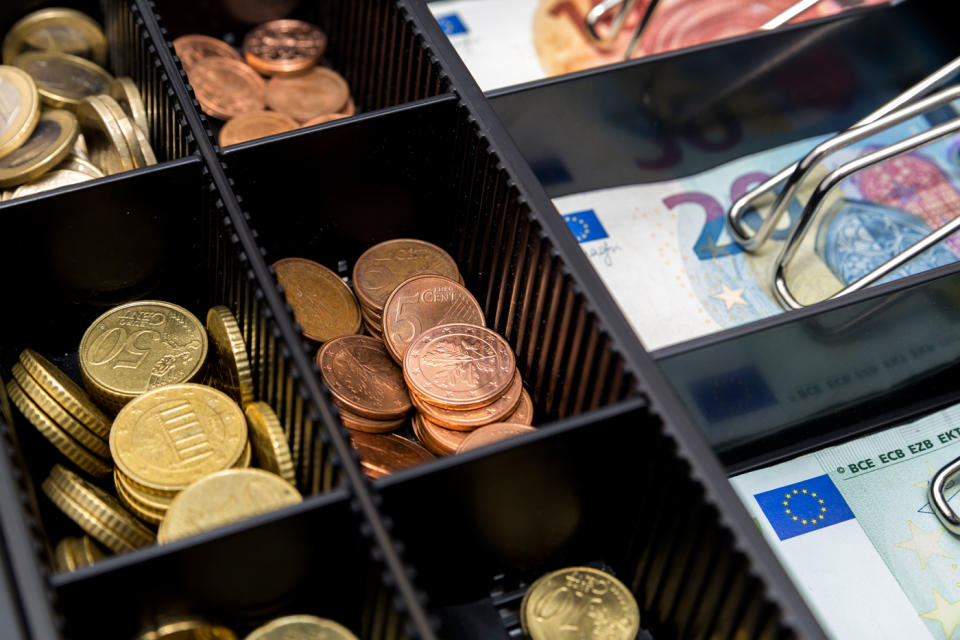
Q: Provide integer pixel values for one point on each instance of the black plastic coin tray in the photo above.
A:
(618, 475)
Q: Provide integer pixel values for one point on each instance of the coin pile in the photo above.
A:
(609, 610)
(75, 553)
(178, 451)
(300, 626)
(65, 119)
(299, 91)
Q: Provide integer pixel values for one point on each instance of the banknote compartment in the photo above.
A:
(369, 43)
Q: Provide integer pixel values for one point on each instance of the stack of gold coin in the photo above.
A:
(167, 438)
(140, 346)
(75, 553)
(183, 627)
(301, 627)
(97, 513)
(609, 611)
(52, 137)
(385, 266)
(299, 92)
(62, 412)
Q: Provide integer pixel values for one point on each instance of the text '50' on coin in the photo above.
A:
(140, 346)
(363, 378)
(459, 366)
(382, 267)
(424, 302)
(323, 304)
(169, 437)
(579, 602)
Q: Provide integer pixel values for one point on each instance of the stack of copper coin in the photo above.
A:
(299, 92)
(67, 119)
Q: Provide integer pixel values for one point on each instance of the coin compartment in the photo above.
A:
(696, 110)
(370, 43)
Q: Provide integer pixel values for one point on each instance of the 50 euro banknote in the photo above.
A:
(664, 252)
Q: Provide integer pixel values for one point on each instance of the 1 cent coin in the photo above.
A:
(226, 87)
(363, 378)
(284, 46)
(382, 267)
(317, 92)
(322, 303)
(492, 433)
(381, 455)
(459, 366)
(254, 125)
(424, 302)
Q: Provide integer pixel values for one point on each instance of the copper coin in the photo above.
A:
(322, 303)
(368, 425)
(382, 455)
(193, 48)
(492, 433)
(350, 108)
(330, 117)
(226, 87)
(424, 302)
(284, 46)
(253, 125)
(523, 414)
(317, 92)
(435, 438)
(496, 411)
(459, 366)
(363, 378)
(382, 267)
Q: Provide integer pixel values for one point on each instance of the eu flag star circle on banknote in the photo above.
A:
(585, 225)
(802, 507)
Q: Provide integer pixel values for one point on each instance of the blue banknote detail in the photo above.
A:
(585, 226)
(804, 507)
(452, 24)
(856, 237)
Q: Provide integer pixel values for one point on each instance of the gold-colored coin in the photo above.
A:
(19, 108)
(64, 80)
(66, 392)
(136, 139)
(143, 506)
(269, 442)
(301, 627)
(323, 304)
(63, 559)
(186, 628)
(169, 437)
(592, 602)
(56, 29)
(76, 429)
(101, 506)
(71, 554)
(230, 367)
(106, 144)
(47, 146)
(79, 164)
(140, 346)
(246, 458)
(69, 447)
(224, 497)
(127, 95)
(50, 181)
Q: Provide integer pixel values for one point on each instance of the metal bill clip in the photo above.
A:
(938, 500)
(621, 9)
(907, 105)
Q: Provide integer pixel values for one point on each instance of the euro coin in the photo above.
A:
(301, 627)
(284, 47)
(127, 95)
(225, 87)
(254, 125)
(50, 181)
(269, 443)
(169, 437)
(319, 91)
(592, 602)
(322, 303)
(470, 419)
(19, 108)
(64, 80)
(107, 146)
(136, 140)
(71, 554)
(185, 628)
(459, 366)
(382, 267)
(360, 423)
(56, 29)
(492, 433)
(229, 370)
(66, 392)
(146, 507)
(424, 302)
(195, 47)
(523, 414)
(224, 497)
(141, 346)
(437, 439)
(363, 378)
(381, 455)
(48, 145)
